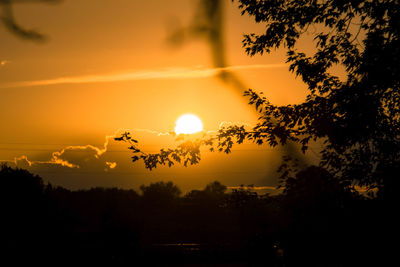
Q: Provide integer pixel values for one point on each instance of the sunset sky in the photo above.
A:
(107, 67)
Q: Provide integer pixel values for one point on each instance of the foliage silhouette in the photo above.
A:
(357, 116)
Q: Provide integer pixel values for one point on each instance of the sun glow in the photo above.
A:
(188, 124)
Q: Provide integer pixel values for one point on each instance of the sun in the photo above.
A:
(188, 124)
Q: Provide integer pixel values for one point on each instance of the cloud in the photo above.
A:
(70, 156)
(167, 73)
(81, 155)
(21, 161)
(225, 124)
(111, 165)
(145, 131)
(24, 162)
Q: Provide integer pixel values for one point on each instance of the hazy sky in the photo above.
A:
(106, 66)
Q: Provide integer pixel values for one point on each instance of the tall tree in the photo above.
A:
(357, 115)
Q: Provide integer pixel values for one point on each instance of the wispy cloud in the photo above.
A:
(167, 73)
(225, 124)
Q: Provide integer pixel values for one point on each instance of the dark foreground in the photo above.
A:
(314, 222)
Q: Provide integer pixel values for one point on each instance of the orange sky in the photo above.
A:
(107, 66)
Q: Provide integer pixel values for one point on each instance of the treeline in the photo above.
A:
(315, 221)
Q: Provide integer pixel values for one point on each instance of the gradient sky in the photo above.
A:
(106, 66)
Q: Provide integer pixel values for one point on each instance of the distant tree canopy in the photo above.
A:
(160, 192)
(19, 184)
(355, 116)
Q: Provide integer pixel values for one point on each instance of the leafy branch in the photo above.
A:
(270, 129)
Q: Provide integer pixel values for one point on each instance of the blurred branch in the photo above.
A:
(208, 24)
(8, 20)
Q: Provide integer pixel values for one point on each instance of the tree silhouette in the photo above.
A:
(356, 116)
(160, 192)
(215, 188)
(213, 195)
